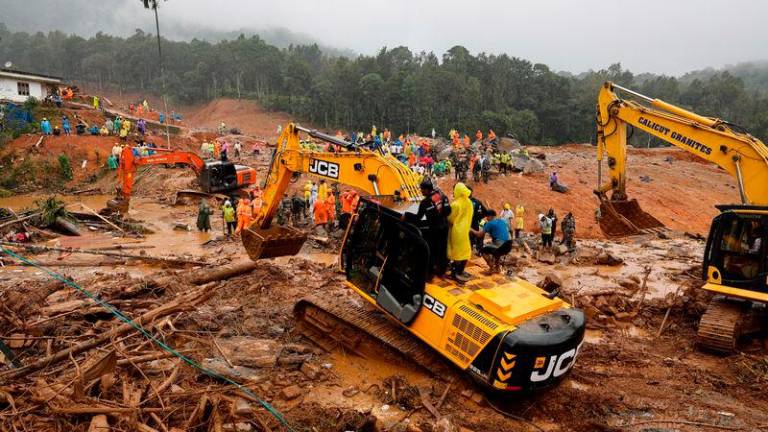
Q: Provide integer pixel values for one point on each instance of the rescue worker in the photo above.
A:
(508, 216)
(204, 216)
(45, 127)
(546, 231)
(519, 220)
(117, 125)
(478, 212)
(460, 220)
(501, 242)
(257, 200)
(320, 213)
(569, 230)
(434, 206)
(479, 136)
(66, 127)
(284, 210)
(112, 162)
(229, 218)
(492, 137)
(243, 214)
(330, 203)
(298, 209)
(95, 102)
(322, 191)
(553, 217)
(307, 196)
(347, 199)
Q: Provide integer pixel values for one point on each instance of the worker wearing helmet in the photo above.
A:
(243, 214)
(434, 207)
(229, 217)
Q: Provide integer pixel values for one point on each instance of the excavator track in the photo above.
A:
(721, 326)
(338, 322)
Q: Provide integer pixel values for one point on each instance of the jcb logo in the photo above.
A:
(324, 168)
(435, 306)
(555, 365)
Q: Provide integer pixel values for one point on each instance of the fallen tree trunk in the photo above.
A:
(182, 303)
(102, 252)
(20, 219)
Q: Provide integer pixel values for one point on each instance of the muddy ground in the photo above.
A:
(632, 374)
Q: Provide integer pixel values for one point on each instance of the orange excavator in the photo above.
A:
(213, 176)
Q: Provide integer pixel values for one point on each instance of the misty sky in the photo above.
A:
(660, 36)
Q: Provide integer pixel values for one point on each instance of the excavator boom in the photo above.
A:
(742, 155)
(372, 172)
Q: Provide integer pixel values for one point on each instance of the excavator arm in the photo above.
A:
(126, 171)
(372, 172)
(740, 154)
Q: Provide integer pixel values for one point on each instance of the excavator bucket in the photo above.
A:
(272, 242)
(626, 218)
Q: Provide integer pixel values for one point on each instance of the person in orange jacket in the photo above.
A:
(466, 141)
(330, 204)
(257, 200)
(479, 136)
(320, 213)
(243, 214)
(491, 136)
(348, 202)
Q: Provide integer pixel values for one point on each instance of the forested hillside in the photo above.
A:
(395, 88)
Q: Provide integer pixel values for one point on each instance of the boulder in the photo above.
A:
(606, 258)
(291, 392)
(249, 351)
(508, 144)
(551, 282)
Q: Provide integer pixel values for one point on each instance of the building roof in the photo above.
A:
(29, 76)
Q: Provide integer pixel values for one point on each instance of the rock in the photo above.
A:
(445, 425)
(606, 258)
(551, 282)
(249, 351)
(629, 284)
(508, 144)
(241, 407)
(561, 249)
(350, 391)
(645, 179)
(291, 392)
(237, 427)
(99, 423)
(662, 235)
(600, 302)
(310, 371)
(466, 393)
(236, 373)
(176, 389)
(678, 252)
(533, 166)
(478, 398)
(546, 257)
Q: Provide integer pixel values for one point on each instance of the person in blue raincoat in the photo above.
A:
(65, 126)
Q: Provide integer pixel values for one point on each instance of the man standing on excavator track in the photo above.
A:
(435, 207)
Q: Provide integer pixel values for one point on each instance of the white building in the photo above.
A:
(17, 86)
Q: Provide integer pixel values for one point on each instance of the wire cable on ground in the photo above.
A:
(114, 311)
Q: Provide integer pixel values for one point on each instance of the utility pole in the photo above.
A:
(153, 4)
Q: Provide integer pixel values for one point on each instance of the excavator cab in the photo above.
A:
(388, 259)
(735, 269)
(736, 249)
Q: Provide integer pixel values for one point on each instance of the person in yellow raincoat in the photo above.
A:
(519, 220)
(460, 220)
(322, 191)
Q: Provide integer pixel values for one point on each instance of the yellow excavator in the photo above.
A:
(735, 265)
(509, 335)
